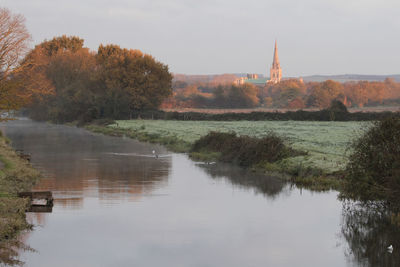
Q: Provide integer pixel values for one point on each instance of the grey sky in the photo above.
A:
(227, 36)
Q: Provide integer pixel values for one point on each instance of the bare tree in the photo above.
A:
(14, 41)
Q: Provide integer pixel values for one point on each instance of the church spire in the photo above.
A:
(276, 58)
(275, 71)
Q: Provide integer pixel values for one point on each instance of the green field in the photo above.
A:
(326, 142)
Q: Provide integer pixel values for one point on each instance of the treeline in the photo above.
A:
(290, 94)
(336, 112)
(214, 80)
(221, 96)
(69, 82)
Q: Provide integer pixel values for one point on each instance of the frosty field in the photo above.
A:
(326, 142)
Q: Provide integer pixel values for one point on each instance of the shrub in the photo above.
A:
(373, 171)
(244, 150)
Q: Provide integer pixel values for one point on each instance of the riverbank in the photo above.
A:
(324, 143)
(16, 175)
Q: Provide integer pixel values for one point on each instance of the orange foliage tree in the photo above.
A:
(14, 41)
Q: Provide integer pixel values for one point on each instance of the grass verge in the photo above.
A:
(171, 142)
(16, 175)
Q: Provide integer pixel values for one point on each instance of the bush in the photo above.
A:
(373, 171)
(244, 150)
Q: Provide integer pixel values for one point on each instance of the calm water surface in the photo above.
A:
(118, 205)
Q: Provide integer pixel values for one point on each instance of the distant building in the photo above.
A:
(275, 74)
(240, 81)
(252, 76)
(275, 71)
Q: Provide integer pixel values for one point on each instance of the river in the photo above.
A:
(116, 204)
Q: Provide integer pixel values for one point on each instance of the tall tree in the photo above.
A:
(56, 73)
(131, 80)
(72, 75)
(14, 41)
(82, 85)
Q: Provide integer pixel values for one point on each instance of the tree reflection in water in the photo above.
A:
(78, 164)
(9, 251)
(369, 228)
(267, 185)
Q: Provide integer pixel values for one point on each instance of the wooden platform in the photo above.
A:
(41, 209)
(41, 201)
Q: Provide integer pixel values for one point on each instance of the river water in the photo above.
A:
(118, 205)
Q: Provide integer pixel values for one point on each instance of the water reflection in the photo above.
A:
(79, 164)
(9, 251)
(170, 213)
(368, 229)
(269, 186)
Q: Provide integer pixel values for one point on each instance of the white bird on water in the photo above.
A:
(154, 153)
(390, 249)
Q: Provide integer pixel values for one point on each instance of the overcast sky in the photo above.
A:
(231, 36)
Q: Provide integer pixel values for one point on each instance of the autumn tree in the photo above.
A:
(84, 85)
(285, 92)
(61, 44)
(322, 94)
(243, 96)
(187, 92)
(130, 81)
(233, 96)
(219, 96)
(58, 73)
(73, 76)
(14, 41)
(33, 77)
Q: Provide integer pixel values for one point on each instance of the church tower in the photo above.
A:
(275, 71)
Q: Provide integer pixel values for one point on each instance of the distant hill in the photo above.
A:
(350, 77)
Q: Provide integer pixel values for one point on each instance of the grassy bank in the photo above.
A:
(325, 143)
(172, 142)
(16, 175)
